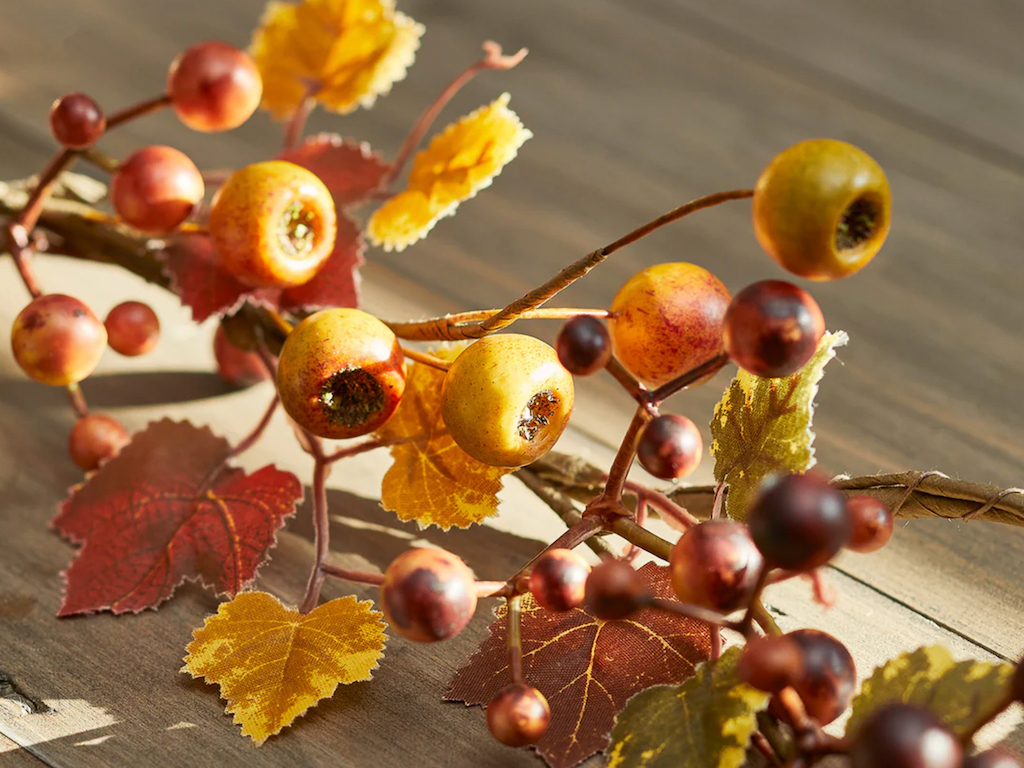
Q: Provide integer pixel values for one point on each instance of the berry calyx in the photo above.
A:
(76, 121)
(518, 716)
(273, 224)
(57, 340)
(773, 328)
(829, 676)
(96, 438)
(507, 399)
(236, 366)
(670, 447)
(667, 320)
(872, 523)
(716, 565)
(904, 736)
(583, 345)
(156, 188)
(614, 590)
(214, 87)
(133, 328)
(558, 580)
(799, 522)
(822, 209)
(428, 595)
(770, 664)
(341, 373)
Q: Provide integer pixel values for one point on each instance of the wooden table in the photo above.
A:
(636, 107)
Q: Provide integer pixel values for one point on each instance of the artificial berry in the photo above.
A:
(822, 209)
(904, 736)
(716, 565)
(667, 320)
(558, 580)
(341, 373)
(614, 590)
(57, 340)
(236, 366)
(584, 346)
(518, 716)
(132, 328)
(76, 121)
(670, 447)
(96, 438)
(156, 188)
(770, 664)
(773, 328)
(829, 677)
(428, 595)
(872, 523)
(214, 86)
(507, 399)
(273, 224)
(994, 758)
(799, 522)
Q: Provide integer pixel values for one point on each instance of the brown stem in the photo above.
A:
(137, 110)
(354, 450)
(321, 524)
(423, 357)
(563, 506)
(762, 745)
(21, 251)
(692, 376)
(449, 327)
(514, 639)
(662, 503)
(572, 538)
(629, 382)
(637, 534)
(612, 493)
(360, 577)
(250, 440)
(716, 642)
(44, 187)
(764, 619)
(716, 506)
(633, 552)
(713, 618)
(493, 589)
(747, 624)
(77, 400)
(295, 127)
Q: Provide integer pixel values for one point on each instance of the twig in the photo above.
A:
(423, 357)
(611, 496)
(447, 328)
(294, 128)
(359, 577)
(562, 506)
(354, 450)
(514, 640)
(137, 110)
(321, 524)
(248, 442)
(662, 503)
(77, 400)
(637, 534)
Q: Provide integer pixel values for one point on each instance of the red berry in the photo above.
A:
(904, 736)
(829, 676)
(716, 565)
(428, 595)
(214, 87)
(57, 340)
(96, 438)
(237, 367)
(76, 121)
(558, 580)
(583, 345)
(771, 664)
(872, 523)
(156, 188)
(773, 328)
(614, 590)
(670, 447)
(518, 715)
(133, 328)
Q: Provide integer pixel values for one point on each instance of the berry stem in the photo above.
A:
(637, 534)
(712, 366)
(764, 619)
(563, 506)
(359, 577)
(716, 642)
(662, 503)
(18, 245)
(101, 160)
(295, 127)
(716, 505)
(77, 400)
(579, 533)
(448, 327)
(321, 522)
(493, 59)
(714, 619)
(493, 589)
(612, 493)
(354, 450)
(44, 187)
(762, 745)
(137, 110)
(514, 639)
(629, 382)
(423, 357)
(633, 551)
(247, 442)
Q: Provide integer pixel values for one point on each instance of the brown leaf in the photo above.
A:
(587, 668)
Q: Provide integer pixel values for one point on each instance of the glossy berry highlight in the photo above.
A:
(236, 366)
(341, 373)
(614, 590)
(428, 595)
(670, 447)
(76, 121)
(57, 340)
(829, 676)
(133, 328)
(822, 209)
(214, 86)
(96, 438)
(584, 346)
(558, 580)
(872, 523)
(156, 188)
(904, 736)
(716, 565)
(518, 716)
(773, 328)
(506, 399)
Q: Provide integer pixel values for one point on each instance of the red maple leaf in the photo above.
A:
(349, 169)
(337, 282)
(586, 668)
(167, 508)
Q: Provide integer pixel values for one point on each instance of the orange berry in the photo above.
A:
(96, 438)
(518, 716)
(57, 340)
(214, 87)
(156, 188)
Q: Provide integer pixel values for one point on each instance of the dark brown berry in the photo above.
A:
(670, 447)
(77, 121)
(428, 595)
(558, 580)
(614, 590)
(96, 438)
(518, 716)
(829, 677)
(584, 346)
(903, 736)
(771, 664)
(872, 523)
(716, 565)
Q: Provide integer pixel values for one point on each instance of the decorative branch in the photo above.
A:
(448, 327)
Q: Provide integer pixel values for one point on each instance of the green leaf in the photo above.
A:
(763, 426)
(929, 677)
(706, 722)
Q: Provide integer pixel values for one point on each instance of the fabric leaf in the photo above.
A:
(350, 170)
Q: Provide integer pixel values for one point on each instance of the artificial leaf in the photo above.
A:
(929, 677)
(706, 722)
(273, 663)
(431, 479)
(763, 426)
(587, 668)
(342, 53)
(350, 170)
(458, 162)
(168, 508)
(337, 282)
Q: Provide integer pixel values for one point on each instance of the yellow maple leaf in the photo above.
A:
(458, 162)
(763, 426)
(432, 480)
(272, 663)
(343, 53)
